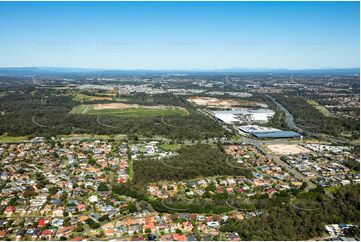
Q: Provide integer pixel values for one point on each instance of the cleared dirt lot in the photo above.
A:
(213, 102)
(287, 149)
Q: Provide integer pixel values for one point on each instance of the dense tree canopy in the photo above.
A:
(193, 161)
(300, 220)
(310, 119)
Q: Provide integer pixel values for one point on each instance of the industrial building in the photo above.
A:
(244, 116)
(266, 132)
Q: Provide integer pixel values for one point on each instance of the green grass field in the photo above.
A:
(4, 138)
(131, 171)
(170, 147)
(92, 136)
(130, 112)
(320, 108)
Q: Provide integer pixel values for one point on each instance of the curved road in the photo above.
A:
(288, 116)
(292, 125)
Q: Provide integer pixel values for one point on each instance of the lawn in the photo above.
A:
(170, 147)
(331, 189)
(129, 112)
(80, 109)
(320, 108)
(92, 136)
(131, 171)
(5, 138)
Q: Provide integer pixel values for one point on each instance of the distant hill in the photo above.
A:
(28, 71)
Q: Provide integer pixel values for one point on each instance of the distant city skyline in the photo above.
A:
(180, 35)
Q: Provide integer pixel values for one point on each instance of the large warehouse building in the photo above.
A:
(244, 115)
(266, 132)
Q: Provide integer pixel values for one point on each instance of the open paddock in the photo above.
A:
(128, 110)
(83, 98)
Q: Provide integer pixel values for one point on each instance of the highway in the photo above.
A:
(289, 119)
(288, 116)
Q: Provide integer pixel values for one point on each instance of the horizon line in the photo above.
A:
(178, 69)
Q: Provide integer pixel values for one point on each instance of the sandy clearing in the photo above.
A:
(223, 103)
(210, 101)
(287, 149)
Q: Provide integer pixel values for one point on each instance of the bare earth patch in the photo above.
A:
(287, 149)
(213, 102)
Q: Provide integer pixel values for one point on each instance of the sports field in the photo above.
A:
(128, 110)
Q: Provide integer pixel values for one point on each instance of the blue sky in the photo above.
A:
(180, 35)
